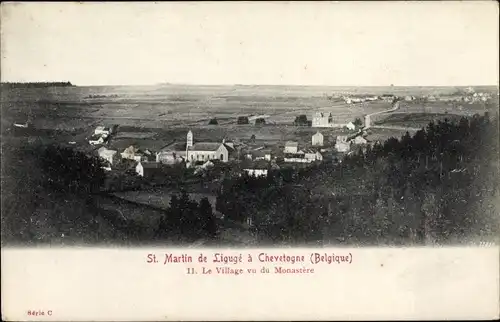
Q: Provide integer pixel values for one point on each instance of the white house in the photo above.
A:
(296, 159)
(342, 138)
(257, 169)
(291, 147)
(147, 169)
(98, 139)
(108, 155)
(168, 157)
(342, 147)
(257, 155)
(351, 126)
(101, 130)
(256, 172)
(312, 155)
(132, 153)
(317, 139)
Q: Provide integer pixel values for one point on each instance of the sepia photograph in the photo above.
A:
(248, 125)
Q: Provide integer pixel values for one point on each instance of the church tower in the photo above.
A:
(189, 140)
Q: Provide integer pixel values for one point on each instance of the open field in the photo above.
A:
(155, 116)
(440, 107)
(417, 120)
(375, 134)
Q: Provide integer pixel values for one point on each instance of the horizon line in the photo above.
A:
(243, 84)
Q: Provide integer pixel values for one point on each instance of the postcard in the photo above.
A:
(237, 161)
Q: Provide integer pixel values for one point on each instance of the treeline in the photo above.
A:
(36, 84)
(188, 219)
(438, 186)
(52, 193)
(279, 210)
(45, 194)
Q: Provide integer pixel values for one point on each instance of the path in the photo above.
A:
(368, 116)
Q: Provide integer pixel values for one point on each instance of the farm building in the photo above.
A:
(168, 157)
(257, 169)
(109, 155)
(350, 126)
(257, 155)
(388, 97)
(291, 147)
(98, 139)
(322, 120)
(313, 155)
(342, 147)
(133, 153)
(317, 139)
(102, 130)
(341, 144)
(148, 169)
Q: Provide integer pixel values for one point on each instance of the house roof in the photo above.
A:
(205, 146)
(151, 165)
(260, 153)
(310, 151)
(229, 147)
(292, 144)
(293, 155)
(318, 134)
(178, 146)
(104, 151)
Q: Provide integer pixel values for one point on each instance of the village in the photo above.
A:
(239, 155)
(234, 160)
(201, 157)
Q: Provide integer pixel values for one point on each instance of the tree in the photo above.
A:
(208, 221)
(213, 121)
(358, 122)
(243, 120)
(260, 121)
(252, 138)
(301, 120)
(72, 170)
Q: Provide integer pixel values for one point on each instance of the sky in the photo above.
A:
(297, 43)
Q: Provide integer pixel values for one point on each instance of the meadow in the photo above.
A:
(152, 117)
(155, 116)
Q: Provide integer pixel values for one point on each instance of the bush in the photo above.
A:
(301, 120)
(243, 120)
(260, 121)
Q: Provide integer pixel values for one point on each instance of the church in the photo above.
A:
(204, 151)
